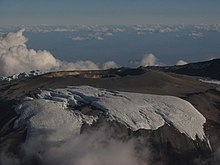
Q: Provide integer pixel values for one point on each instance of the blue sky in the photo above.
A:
(108, 12)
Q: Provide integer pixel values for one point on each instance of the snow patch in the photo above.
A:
(145, 111)
(136, 111)
(217, 82)
(21, 75)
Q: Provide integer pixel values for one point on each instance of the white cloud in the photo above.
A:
(94, 147)
(78, 65)
(109, 34)
(79, 38)
(115, 30)
(15, 58)
(13, 39)
(110, 65)
(196, 35)
(149, 60)
(181, 62)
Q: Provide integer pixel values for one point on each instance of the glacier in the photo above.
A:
(56, 112)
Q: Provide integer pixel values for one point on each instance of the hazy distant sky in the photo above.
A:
(108, 12)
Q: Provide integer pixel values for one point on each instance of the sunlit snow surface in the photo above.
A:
(51, 111)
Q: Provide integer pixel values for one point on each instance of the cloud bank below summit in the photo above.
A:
(15, 58)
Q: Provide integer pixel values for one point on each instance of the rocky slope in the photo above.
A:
(165, 145)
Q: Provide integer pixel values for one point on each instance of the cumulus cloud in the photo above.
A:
(94, 147)
(15, 58)
(110, 65)
(181, 62)
(149, 60)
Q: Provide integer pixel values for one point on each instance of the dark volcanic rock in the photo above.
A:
(204, 69)
(167, 145)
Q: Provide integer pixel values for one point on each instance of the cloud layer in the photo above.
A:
(15, 57)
